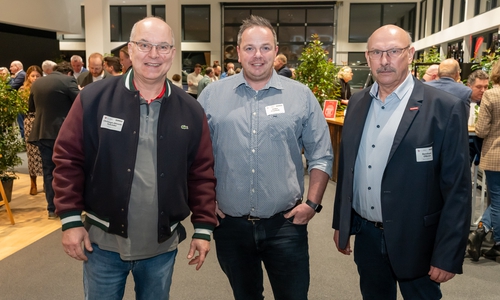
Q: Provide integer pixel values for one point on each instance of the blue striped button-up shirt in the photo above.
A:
(380, 129)
(258, 137)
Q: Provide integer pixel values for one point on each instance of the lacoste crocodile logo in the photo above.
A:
(184, 127)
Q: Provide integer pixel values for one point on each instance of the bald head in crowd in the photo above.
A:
(431, 73)
(449, 68)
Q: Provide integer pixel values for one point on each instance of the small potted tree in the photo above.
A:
(11, 143)
(318, 72)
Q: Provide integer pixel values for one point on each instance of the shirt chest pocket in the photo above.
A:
(281, 127)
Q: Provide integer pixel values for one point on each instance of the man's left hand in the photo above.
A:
(203, 247)
(302, 213)
(439, 275)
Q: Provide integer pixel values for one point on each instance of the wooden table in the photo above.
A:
(335, 126)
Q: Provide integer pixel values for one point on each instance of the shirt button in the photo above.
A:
(383, 107)
(253, 171)
(378, 126)
(254, 113)
(253, 150)
(253, 190)
(128, 170)
(373, 146)
(369, 166)
(162, 175)
(369, 188)
(372, 207)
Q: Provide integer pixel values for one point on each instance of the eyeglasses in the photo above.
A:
(163, 48)
(392, 53)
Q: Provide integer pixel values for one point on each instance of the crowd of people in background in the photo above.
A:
(97, 155)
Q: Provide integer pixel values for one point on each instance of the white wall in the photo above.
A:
(53, 15)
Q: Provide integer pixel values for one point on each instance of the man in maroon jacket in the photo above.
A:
(135, 155)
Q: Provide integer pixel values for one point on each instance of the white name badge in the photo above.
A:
(424, 154)
(275, 109)
(112, 123)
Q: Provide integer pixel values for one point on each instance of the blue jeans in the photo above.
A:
(46, 150)
(491, 216)
(20, 122)
(242, 246)
(105, 275)
(377, 279)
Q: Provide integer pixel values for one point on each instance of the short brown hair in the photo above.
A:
(176, 77)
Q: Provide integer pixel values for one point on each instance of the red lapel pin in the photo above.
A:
(414, 108)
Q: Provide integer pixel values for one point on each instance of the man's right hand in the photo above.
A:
(73, 241)
(347, 250)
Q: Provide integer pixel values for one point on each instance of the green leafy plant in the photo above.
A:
(317, 72)
(11, 104)
(487, 61)
(429, 56)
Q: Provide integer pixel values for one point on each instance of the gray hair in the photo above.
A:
(48, 65)
(256, 21)
(478, 74)
(76, 58)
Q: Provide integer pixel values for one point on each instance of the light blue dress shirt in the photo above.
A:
(258, 137)
(380, 128)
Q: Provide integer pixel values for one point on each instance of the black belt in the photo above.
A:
(379, 225)
(253, 218)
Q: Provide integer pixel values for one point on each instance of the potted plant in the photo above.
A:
(11, 143)
(318, 72)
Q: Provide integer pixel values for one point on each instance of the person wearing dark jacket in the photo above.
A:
(51, 99)
(404, 180)
(135, 155)
(280, 66)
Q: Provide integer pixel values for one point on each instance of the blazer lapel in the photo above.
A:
(411, 111)
(356, 119)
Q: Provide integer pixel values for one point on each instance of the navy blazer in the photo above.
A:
(50, 99)
(426, 206)
(18, 81)
(457, 89)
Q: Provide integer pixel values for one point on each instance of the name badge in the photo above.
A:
(275, 109)
(112, 123)
(424, 154)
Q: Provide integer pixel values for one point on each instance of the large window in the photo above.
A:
(457, 12)
(122, 19)
(437, 15)
(423, 14)
(482, 6)
(356, 59)
(158, 11)
(196, 23)
(294, 25)
(365, 18)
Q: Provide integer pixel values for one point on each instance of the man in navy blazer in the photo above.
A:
(17, 81)
(404, 186)
(449, 75)
(51, 98)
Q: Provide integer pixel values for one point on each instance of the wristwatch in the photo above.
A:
(317, 207)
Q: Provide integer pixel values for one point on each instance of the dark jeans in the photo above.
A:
(377, 279)
(20, 122)
(46, 150)
(242, 246)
